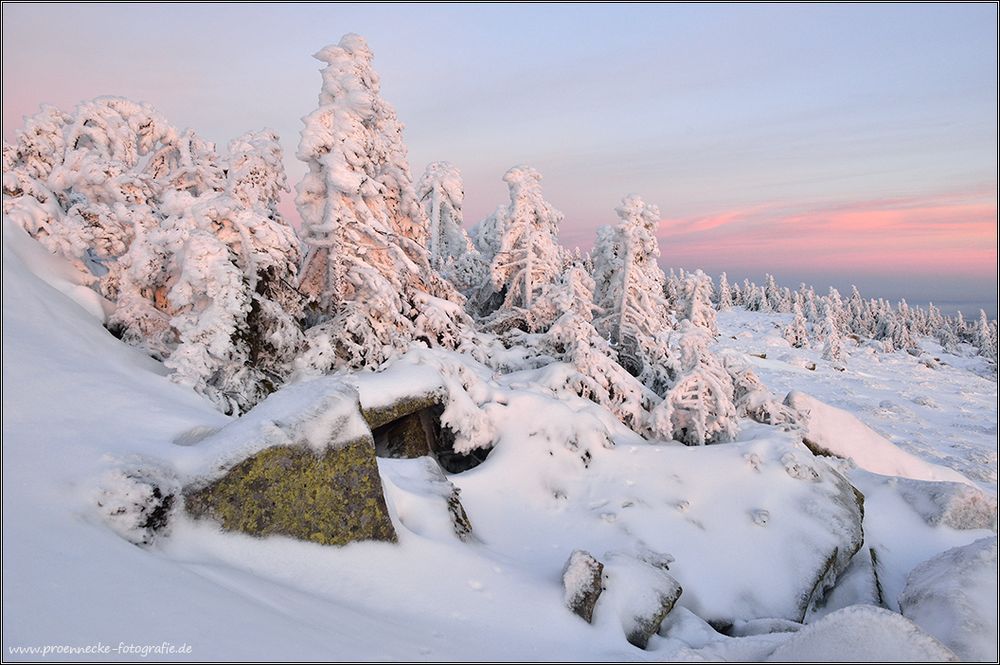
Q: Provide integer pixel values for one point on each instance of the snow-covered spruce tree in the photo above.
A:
(775, 295)
(903, 338)
(366, 276)
(830, 334)
(796, 333)
(629, 291)
(701, 408)
(236, 307)
(572, 339)
(962, 329)
(756, 299)
(697, 301)
(449, 246)
(190, 252)
(673, 291)
(985, 338)
(528, 258)
(858, 315)
(724, 300)
(75, 181)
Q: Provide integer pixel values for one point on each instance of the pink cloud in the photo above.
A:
(954, 232)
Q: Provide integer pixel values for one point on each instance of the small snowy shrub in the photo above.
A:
(137, 505)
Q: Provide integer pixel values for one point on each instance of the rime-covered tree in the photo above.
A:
(188, 249)
(572, 339)
(830, 334)
(700, 399)
(450, 249)
(756, 300)
(236, 307)
(629, 291)
(697, 301)
(775, 296)
(366, 276)
(796, 333)
(528, 258)
(985, 338)
(725, 295)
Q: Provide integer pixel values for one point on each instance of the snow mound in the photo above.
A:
(55, 271)
(835, 431)
(956, 505)
(422, 501)
(954, 598)
(862, 633)
(542, 494)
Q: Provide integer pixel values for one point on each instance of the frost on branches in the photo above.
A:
(520, 242)
(449, 246)
(595, 373)
(700, 400)
(367, 279)
(698, 301)
(191, 253)
(629, 287)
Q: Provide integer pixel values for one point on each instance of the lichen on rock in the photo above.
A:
(332, 498)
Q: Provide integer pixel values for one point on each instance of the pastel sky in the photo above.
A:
(831, 144)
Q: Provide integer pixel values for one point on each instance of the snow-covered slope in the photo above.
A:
(742, 520)
(947, 415)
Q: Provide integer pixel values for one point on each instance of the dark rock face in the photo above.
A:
(411, 427)
(582, 584)
(331, 497)
(409, 437)
(459, 518)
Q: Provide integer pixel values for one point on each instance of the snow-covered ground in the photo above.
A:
(746, 523)
(946, 415)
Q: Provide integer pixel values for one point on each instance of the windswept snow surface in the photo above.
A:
(946, 416)
(78, 404)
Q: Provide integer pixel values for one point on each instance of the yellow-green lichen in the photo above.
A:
(332, 497)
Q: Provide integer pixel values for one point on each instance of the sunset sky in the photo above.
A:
(827, 144)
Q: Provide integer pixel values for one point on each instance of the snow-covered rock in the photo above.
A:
(957, 505)
(639, 594)
(423, 501)
(954, 598)
(583, 582)
(310, 473)
(862, 633)
(699, 504)
(833, 431)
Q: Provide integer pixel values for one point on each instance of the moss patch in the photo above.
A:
(332, 498)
